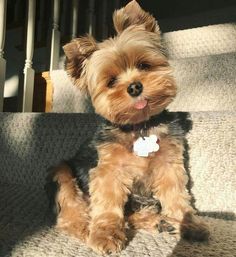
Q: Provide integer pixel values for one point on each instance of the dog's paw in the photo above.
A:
(107, 240)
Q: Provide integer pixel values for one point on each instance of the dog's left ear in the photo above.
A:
(133, 14)
(78, 52)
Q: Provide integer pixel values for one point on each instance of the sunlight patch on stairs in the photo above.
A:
(16, 136)
(201, 41)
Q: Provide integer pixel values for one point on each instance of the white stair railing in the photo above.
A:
(55, 44)
(75, 11)
(3, 10)
(28, 70)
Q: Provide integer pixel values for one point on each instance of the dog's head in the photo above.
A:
(127, 77)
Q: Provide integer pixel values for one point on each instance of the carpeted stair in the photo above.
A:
(30, 143)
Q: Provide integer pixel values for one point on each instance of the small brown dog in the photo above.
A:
(138, 148)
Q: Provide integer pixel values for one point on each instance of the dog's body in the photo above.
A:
(129, 81)
(86, 157)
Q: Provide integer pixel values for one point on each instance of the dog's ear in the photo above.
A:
(78, 52)
(132, 14)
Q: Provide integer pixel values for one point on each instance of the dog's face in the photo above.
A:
(127, 77)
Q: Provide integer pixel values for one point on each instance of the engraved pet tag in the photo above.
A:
(145, 145)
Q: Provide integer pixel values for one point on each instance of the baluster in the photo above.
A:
(55, 45)
(75, 9)
(28, 70)
(3, 10)
(91, 17)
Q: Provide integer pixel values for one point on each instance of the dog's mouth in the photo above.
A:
(140, 103)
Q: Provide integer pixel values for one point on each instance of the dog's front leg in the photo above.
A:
(169, 186)
(109, 192)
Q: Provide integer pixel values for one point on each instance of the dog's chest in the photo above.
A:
(144, 144)
(131, 152)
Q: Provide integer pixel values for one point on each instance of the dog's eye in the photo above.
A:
(143, 66)
(111, 82)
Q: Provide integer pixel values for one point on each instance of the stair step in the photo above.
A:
(201, 41)
(205, 83)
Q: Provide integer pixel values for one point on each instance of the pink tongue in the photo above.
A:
(140, 104)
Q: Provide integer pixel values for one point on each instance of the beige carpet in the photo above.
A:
(202, 41)
(47, 242)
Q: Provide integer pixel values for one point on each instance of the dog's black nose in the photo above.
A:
(135, 89)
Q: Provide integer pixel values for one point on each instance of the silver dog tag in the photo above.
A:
(143, 146)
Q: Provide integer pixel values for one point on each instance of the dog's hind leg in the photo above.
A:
(150, 220)
(71, 205)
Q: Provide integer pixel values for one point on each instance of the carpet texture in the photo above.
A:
(67, 98)
(30, 143)
(202, 41)
(209, 78)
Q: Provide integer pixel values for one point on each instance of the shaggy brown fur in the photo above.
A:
(130, 84)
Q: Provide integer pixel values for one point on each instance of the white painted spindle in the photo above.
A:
(55, 44)
(91, 17)
(3, 10)
(28, 70)
(75, 9)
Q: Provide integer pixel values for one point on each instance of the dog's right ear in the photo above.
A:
(78, 52)
(132, 14)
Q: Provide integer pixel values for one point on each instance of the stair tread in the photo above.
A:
(201, 41)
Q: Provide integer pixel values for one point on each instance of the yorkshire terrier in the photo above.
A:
(136, 159)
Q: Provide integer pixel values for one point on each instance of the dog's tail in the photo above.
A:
(55, 178)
